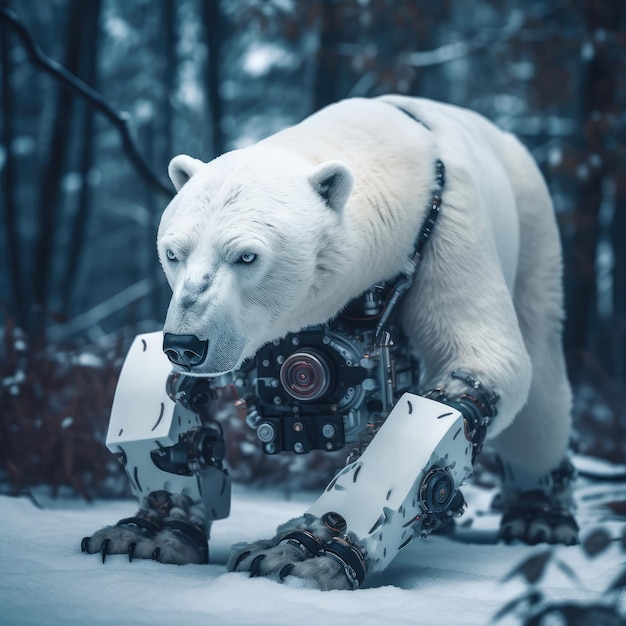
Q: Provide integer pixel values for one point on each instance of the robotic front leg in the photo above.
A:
(405, 484)
(172, 450)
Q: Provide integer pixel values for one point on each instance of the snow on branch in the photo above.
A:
(77, 86)
(446, 53)
(459, 49)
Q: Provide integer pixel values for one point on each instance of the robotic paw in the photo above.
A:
(304, 549)
(324, 572)
(180, 543)
(176, 542)
(132, 536)
(286, 561)
(533, 520)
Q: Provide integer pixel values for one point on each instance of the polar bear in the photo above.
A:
(282, 235)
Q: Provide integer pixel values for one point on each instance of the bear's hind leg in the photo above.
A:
(537, 478)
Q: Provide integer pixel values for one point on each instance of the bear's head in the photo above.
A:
(254, 246)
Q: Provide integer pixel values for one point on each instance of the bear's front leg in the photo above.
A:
(405, 484)
(165, 431)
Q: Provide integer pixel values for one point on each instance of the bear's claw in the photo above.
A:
(111, 540)
(255, 566)
(325, 572)
(177, 542)
(266, 561)
(104, 549)
(321, 571)
(305, 549)
(286, 571)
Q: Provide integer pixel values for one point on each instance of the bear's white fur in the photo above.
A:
(333, 205)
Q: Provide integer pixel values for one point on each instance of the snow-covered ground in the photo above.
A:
(45, 579)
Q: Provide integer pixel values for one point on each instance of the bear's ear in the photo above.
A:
(182, 168)
(333, 181)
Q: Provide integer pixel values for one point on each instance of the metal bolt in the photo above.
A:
(266, 432)
(298, 447)
(369, 384)
(328, 430)
(280, 359)
(266, 363)
(277, 400)
(368, 362)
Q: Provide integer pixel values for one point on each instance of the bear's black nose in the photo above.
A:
(185, 350)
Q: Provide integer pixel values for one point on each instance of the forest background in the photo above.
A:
(83, 178)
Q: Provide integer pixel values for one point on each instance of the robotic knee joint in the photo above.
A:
(478, 407)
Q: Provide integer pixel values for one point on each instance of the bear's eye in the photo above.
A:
(247, 257)
(170, 255)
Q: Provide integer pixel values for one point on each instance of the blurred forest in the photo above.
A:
(83, 174)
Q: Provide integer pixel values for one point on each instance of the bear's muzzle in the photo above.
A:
(186, 351)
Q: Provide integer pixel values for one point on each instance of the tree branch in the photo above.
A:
(459, 49)
(446, 53)
(101, 311)
(78, 87)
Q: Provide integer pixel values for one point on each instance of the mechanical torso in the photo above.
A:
(320, 388)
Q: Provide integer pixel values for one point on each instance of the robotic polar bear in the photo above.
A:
(385, 274)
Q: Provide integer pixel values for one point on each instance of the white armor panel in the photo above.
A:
(144, 418)
(384, 495)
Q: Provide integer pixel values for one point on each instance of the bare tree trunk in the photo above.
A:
(170, 69)
(326, 85)
(170, 72)
(89, 55)
(618, 321)
(16, 304)
(599, 99)
(159, 147)
(214, 29)
(50, 191)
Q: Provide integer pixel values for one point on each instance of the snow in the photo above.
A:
(261, 58)
(47, 580)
